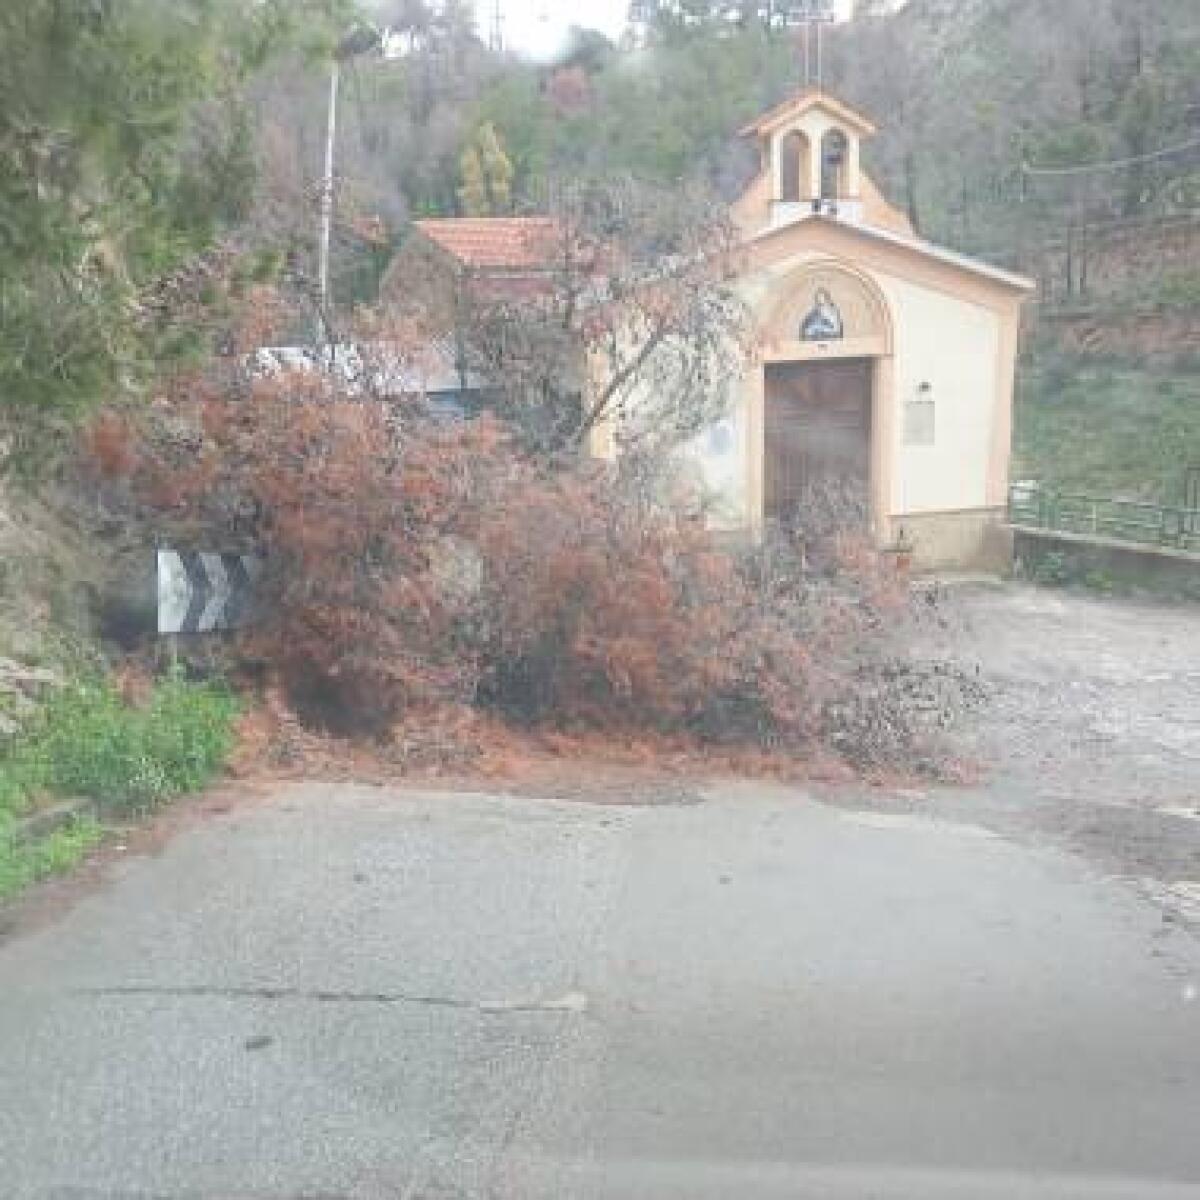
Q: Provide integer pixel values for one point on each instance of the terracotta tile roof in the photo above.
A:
(495, 243)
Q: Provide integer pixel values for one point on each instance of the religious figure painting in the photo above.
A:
(824, 320)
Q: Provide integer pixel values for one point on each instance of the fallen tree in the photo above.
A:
(416, 565)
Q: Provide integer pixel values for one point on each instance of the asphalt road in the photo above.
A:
(346, 992)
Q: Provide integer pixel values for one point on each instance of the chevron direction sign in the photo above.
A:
(201, 593)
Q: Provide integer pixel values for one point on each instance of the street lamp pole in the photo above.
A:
(335, 73)
(361, 41)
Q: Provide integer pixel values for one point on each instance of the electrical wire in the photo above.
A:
(1112, 164)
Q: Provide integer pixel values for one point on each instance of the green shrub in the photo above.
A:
(88, 742)
(21, 865)
(1052, 569)
(22, 777)
(1097, 581)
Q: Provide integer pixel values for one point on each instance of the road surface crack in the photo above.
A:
(571, 1002)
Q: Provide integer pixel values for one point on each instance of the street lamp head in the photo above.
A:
(359, 41)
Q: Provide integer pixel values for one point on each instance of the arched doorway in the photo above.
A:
(826, 378)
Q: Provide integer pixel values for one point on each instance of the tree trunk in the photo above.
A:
(910, 190)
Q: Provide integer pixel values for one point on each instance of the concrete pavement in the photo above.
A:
(360, 993)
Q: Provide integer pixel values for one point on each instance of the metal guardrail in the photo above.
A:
(1135, 521)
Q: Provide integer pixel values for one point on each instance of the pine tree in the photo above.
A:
(487, 175)
(473, 195)
(497, 170)
(124, 150)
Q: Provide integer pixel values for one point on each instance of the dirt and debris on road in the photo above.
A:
(1082, 730)
(1089, 737)
(1089, 698)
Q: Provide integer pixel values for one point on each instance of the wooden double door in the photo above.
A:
(817, 431)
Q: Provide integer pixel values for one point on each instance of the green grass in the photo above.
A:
(1108, 429)
(86, 742)
(21, 865)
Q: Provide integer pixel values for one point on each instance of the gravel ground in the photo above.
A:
(1090, 734)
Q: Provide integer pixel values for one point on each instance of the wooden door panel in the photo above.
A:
(817, 427)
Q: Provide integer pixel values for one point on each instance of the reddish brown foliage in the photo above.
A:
(109, 445)
(569, 90)
(417, 569)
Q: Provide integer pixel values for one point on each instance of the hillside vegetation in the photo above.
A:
(1108, 427)
(169, 130)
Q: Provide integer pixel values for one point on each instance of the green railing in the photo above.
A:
(1035, 507)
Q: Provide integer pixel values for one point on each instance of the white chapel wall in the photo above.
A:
(946, 354)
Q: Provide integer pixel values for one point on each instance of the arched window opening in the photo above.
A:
(794, 168)
(834, 155)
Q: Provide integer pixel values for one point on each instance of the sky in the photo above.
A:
(539, 27)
